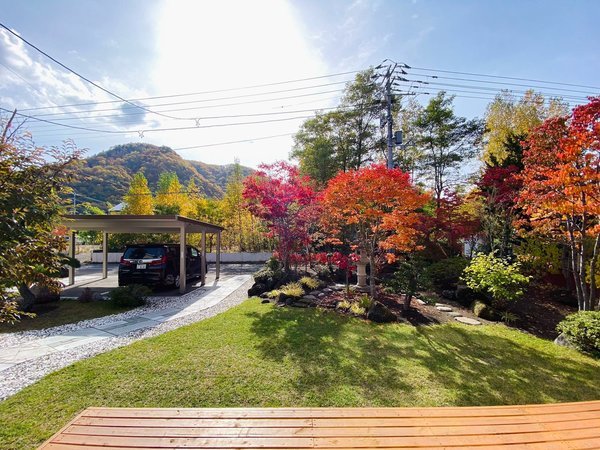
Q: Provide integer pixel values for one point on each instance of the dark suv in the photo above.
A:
(157, 264)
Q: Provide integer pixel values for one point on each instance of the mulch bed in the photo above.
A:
(539, 315)
(417, 315)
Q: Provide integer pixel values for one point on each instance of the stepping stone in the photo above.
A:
(467, 320)
(444, 308)
(454, 314)
(442, 305)
(328, 290)
(315, 293)
(310, 298)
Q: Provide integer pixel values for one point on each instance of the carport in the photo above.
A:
(137, 224)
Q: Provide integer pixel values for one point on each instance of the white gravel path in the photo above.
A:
(21, 375)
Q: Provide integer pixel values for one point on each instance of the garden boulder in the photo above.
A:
(380, 313)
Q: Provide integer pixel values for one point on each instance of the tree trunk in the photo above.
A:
(372, 276)
(575, 264)
(593, 262)
(407, 301)
(27, 300)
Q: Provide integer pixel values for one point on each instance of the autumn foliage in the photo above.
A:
(377, 205)
(561, 189)
(285, 200)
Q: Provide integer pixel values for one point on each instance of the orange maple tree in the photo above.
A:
(375, 208)
(561, 190)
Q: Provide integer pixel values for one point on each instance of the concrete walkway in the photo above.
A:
(200, 299)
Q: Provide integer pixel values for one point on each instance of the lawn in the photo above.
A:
(261, 355)
(61, 312)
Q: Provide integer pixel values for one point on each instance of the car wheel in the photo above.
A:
(176, 283)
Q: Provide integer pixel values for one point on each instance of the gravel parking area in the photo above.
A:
(23, 374)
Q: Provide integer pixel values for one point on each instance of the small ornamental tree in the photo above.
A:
(285, 200)
(377, 207)
(33, 181)
(561, 190)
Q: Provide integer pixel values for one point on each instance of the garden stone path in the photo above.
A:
(457, 316)
(200, 299)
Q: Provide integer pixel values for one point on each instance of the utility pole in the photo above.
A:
(388, 80)
(390, 121)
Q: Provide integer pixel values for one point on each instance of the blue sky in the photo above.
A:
(140, 49)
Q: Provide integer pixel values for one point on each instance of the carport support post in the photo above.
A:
(182, 260)
(104, 254)
(72, 256)
(203, 259)
(218, 258)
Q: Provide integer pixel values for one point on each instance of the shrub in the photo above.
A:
(583, 330)
(274, 293)
(132, 295)
(508, 317)
(484, 311)
(309, 283)
(86, 296)
(355, 308)
(496, 277)
(323, 272)
(429, 299)
(292, 290)
(445, 274)
(344, 304)
(365, 302)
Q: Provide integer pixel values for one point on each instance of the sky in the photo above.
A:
(200, 57)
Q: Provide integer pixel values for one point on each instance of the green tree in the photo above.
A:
(139, 198)
(344, 139)
(445, 141)
(32, 185)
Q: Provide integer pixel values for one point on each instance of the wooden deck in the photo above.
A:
(553, 426)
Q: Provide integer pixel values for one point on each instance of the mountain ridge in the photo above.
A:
(106, 176)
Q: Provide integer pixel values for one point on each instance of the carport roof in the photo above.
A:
(127, 223)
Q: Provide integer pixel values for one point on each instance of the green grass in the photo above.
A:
(264, 356)
(59, 313)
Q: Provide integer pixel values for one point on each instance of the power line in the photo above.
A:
(198, 93)
(201, 100)
(505, 77)
(142, 131)
(200, 107)
(497, 82)
(81, 76)
(216, 144)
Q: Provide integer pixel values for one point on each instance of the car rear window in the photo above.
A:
(144, 252)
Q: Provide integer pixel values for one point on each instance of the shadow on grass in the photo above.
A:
(430, 365)
(332, 361)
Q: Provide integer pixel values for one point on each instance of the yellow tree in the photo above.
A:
(507, 119)
(170, 197)
(139, 198)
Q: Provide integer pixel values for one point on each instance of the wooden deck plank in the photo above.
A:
(548, 427)
(339, 423)
(333, 432)
(282, 413)
(324, 442)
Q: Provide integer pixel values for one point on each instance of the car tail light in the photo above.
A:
(125, 262)
(158, 262)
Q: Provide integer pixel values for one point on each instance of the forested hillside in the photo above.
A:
(106, 176)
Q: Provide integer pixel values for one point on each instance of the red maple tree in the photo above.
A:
(561, 189)
(285, 200)
(374, 207)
